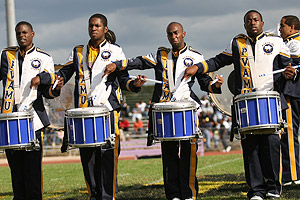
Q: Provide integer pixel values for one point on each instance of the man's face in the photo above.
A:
(24, 36)
(176, 36)
(253, 24)
(96, 29)
(285, 30)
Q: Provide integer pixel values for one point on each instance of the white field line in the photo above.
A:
(220, 163)
(206, 167)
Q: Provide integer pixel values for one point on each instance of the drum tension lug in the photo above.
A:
(111, 141)
(283, 125)
(199, 134)
(35, 145)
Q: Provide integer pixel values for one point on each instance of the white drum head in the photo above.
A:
(224, 101)
(89, 111)
(178, 105)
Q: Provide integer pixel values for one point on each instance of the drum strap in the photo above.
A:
(251, 61)
(170, 71)
(86, 71)
(17, 80)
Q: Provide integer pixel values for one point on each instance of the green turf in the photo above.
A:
(219, 177)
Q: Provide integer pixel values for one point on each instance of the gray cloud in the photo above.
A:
(140, 24)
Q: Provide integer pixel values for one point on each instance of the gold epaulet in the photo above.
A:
(241, 35)
(193, 50)
(41, 51)
(271, 34)
(164, 49)
(58, 67)
(79, 46)
(12, 48)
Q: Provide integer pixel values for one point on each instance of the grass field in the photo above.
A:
(219, 177)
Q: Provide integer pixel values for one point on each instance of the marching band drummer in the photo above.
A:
(261, 153)
(18, 66)
(289, 29)
(179, 173)
(88, 63)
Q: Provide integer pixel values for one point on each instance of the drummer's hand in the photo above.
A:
(60, 83)
(219, 82)
(289, 72)
(190, 71)
(110, 68)
(139, 81)
(35, 82)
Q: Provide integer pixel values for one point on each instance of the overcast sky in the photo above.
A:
(140, 25)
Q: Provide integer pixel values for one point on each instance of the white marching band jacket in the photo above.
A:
(90, 87)
(292, 86)
(16, 72)
(169, 68)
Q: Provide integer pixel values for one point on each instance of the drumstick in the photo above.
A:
(148, 79)
(277, 71)
(216, 79)
(55, 83)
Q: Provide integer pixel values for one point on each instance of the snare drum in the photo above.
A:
(257, 111)
(88, 127)
(16, 130)
(174, 120)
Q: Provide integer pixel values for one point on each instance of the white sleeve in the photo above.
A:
(70, 58)
(121, 55)
(152, 57)
(49, 66)
(294, 47)
(228, 49)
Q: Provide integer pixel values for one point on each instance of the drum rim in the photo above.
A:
(97, 144)
(92, 111)
(257, 94)
(16, 146)
(176, 105)
(219, 107)
(16, 115)
(256, 127)
(174, 138)
(172, 110)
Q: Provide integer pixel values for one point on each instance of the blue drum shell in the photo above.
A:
(16, 130)
(88, 127)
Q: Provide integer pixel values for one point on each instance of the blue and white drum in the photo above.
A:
(174, 121)
(258, 110)
(88, 127)
(16, 130)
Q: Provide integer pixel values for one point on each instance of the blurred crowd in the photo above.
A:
(215, 126)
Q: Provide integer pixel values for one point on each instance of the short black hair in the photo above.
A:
(250, 11)
(101, 17)
(177, 23)
(24, 23)
(292, 20)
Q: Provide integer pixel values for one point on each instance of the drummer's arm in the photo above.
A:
(215, 63)
(127, 83)
(67, 71)
(205, 82)
(140, 63)
(48, 92)
(210, 65)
